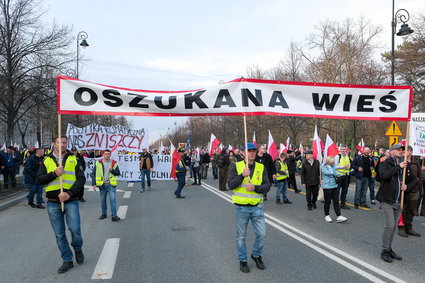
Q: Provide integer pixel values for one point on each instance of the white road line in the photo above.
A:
(122, 211)
(106, 263)
(127, 194)
(278, 225)
(130, 185)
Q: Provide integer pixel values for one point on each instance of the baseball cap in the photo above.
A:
(251, 145)
(308, 152)
(397, 146)
(74, 149)
(181, 150)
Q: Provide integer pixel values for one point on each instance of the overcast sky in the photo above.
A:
(182, 45)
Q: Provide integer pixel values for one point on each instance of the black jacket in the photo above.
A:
(43, 178)
(391, 177)
(291, 161)
(310, 174)
(358, 162)
(31, 169)
(205, 158)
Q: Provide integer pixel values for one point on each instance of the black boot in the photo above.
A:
(392, 254)
(259, 262)
(385, 255)
(79, 257)
(67, 265)
(243, 267)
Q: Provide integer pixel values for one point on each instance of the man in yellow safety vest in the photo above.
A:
(72, 180)
(342, 166)
(104, 177)
(282, 177)
(249, 182)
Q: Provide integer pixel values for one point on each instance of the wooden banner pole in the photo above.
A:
(405, 159)
(60, 158)
(246, 144)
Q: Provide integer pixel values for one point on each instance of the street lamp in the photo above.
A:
(401, 16)
(81, 41)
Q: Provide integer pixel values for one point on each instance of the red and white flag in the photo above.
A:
(288, 144)
(175, 158)
(317, 146)
(214, 142)
(271, 147)
(254, 141)
(231, 148)
(219, 149)
(360, 147)
(282, 148)
(301, 149)
(4, 147)
(330, 148)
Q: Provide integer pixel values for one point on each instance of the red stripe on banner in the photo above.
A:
(231, 114)
(58, 96)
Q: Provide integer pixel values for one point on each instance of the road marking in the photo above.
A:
(314, 244)
(127, 194)
(122, 211)
(106, 263)
(130, 185)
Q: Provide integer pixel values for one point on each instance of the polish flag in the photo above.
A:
(214, 142)
(271, 147)
(282, 148)
(403, 142)
(175, 158)
(288, 144)
(231, 148)
(254, 141)
(360, 147)
(219, 148)
(317, 146)
(37, 145)
(330, 148)
(301, 149)
(4, 147)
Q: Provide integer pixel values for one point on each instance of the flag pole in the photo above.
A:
(60, 158)
(246, 144)
(405, 159)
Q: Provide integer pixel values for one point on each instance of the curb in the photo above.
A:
(12, 200)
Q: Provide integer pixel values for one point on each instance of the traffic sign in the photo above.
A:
(393, 130)
(393, 140)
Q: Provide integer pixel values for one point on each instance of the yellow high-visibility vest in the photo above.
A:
(283, 167)
(100, 178)
(240, 194)
(343, 161)
(68, 176)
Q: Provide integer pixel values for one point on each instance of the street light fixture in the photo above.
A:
(401, 16)
(81, 41)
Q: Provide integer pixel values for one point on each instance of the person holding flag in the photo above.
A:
(249, 182)
(104, 177)
(72, 175)
(180, 170)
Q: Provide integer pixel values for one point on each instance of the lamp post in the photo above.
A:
(401, 16)
(81, 41)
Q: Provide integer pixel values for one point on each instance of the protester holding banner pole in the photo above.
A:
(389, 195)
(73, 178)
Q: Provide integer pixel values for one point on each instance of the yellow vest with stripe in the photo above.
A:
(68, 176)
(99, 175)
(283, 167)
(240, 194)
(343, 161)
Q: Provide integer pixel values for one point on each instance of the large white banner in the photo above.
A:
(95, 136)
(240, 97)
(417, 133)
(129, 167)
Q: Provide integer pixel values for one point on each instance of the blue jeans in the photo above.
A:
(256, 215)
(282, 186)
(104, 190)
(147, 173)
(57, 220)
(33, 189)
(215, 172)
(361, 190)
(372, 188)
(181, 180)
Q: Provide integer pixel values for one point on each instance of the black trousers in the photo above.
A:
(343, 188)
(222, 178)
(292, 182)
(197, 175)
(312, 191)
(332, 195)
(9, 175)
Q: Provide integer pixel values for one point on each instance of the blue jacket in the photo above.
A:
(31, 169)
(180, 169)
(328, 177)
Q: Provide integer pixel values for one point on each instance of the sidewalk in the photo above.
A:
(12, 196)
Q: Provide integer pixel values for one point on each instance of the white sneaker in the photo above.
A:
(328, 218)
(341, 219)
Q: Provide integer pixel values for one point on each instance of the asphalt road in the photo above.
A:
(163, 239)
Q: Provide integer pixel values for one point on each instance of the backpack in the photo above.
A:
(220, 160)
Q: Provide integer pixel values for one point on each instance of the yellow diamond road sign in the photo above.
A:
(393, 130)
